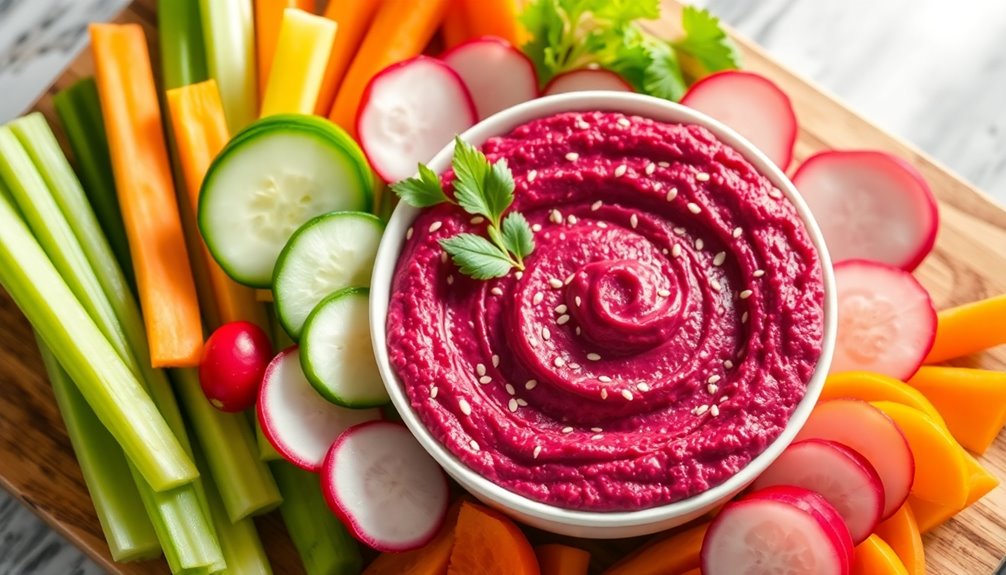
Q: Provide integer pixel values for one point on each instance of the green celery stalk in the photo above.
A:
(266, 452)
(183, 51)
(229, 32)
(127, 528)
(280, 340)
(79, 111)
(324, 545)
(246, 485)
(106, 382)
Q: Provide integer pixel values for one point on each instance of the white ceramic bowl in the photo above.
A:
(596, 524)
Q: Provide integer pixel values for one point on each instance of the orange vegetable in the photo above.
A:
(675, 553)
(875, 557)
(695, 571)
(197, 117)
(400, 30)
(969, 328)
(555, 559)
(487, 543)
(876, 387)
(941, 473)
(902, 533)
(354, 18)
(492, 18)
(268, 17)
(929, 515)
(146, 194)
(430, 559)
(455, 28)
(972, 401)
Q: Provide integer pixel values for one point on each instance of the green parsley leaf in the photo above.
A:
(625, 11)
(477, 257)
(422, 191)
(706, 41)
(470, 170)
(662, 77)
(517, 236)
(498, 189)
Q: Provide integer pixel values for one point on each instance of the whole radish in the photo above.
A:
(234, 360)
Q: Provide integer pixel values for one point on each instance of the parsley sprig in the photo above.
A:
(481, 189)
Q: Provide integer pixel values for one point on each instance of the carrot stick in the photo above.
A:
(197, 116)
(353, 19)
(969, 328)
(971, 401)
(268, 17)
(492, 18)
(671, 554)
(400, 30)
(455, 28)
(555, 559)
(305, 41)
(146, 194)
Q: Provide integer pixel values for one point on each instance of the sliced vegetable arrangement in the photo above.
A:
(257, 175)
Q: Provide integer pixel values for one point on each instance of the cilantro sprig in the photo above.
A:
(482, 189)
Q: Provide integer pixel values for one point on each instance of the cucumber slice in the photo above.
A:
(329, 253)
(271, 178)
(336, 353)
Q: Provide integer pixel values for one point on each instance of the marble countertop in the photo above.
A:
(930, 71)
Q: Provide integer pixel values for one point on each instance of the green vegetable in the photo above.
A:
(183, 51)
(481, 189)
(324, 545)
(128, 531)
(571, 34)
(229, 34)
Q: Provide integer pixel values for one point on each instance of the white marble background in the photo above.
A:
(931, 71)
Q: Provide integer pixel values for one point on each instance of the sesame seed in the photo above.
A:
(775, 193)
(555, 217)
(562, 319)
(567, 429)
(644, 387)
(728, 364)
(679, 231)
(594, 356)
(713, 379)
(620, 171)
(627, 394)
(521, 402)
(650, 168)
(596, 436)
(602, 225)
(596, 429)
(664, 293)
(450, 280)
(758, 273)
(699, 244)
(596, 206)
(571, 219)
(604, 393)
(435, 226)
(510, 389)
(555, 283)
(408, 233)
(480, 368)
(623, 122)
(536, 228)
(744, 317)
(496, 360)
(518, 274)
(433, 391)
(714, 411)
(664, 164)
(512, 405)
(665, 251)
(559, 362)
(485, 379)
(562, 236)
(676, 250)
(476, 220)
(577, 330)
(738, 231)
(719, 258)
(474, 445)
(574, 365)
(546, 334)
(496, 291)
(715, 284)
(633, 221)
(537, 451)
(694, 208)
(532, 342)
(724, 398)
(572, 156)
(582, 125)
(561, 308)
(443, 257)
(702, 177)
(531, 384)
(745, 294)
(604, 379)
(464, 406)
(701, 409)
(532, 175)
(671, 194)
(712, 388)
(536, 299)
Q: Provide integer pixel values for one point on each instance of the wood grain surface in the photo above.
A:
(969, 262)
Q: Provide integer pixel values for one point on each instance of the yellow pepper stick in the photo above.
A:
(268, 16)
(305, 42)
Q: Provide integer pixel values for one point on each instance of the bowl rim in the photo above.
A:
(502, 123)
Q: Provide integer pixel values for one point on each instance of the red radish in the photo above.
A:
(886, 320)
(385, 488)
(753, 106)
(870, 205)
(842, 476)
(410, 111)
(296, 419)
(497, 74)
(779, 529)
(587, 79)
(234, 358)
(871, 433)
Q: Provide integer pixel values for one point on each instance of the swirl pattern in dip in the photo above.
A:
(660, 337)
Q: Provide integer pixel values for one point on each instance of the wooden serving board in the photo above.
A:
(969, 262)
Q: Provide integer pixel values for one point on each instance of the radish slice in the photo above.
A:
(497, 74)
(585, 80)
(296, 420)
(886, 320)
(753, 106)
(842, 476)
(870, 205)
(871, 433)
(410, 111)
(777, 530)
(383, 485)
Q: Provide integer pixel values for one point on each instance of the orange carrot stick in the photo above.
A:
(197, 116)
(146, 194)
(492, 18)
(354, 19)
(268, 16)
(971, 401)
(969, 328)
(671, 554)
(455, 28)
(555, 559)
(400, 30)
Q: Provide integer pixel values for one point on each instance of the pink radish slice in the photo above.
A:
(410, 111)
(497, 74)
(886, 320)
(388, 491)
(753, 106)
(779, 529)
(296, 419)
(843, 477)
(871, 206)
(871, 433)
(586, 79)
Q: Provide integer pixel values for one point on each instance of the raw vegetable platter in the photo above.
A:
(39, 467)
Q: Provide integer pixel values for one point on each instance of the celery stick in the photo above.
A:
(280, 340)
(127, 529)
(324, 545)
(246, 485)
(266, 452)
(79, 111)
(229, 31)
(106, 382)
(183, 52)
